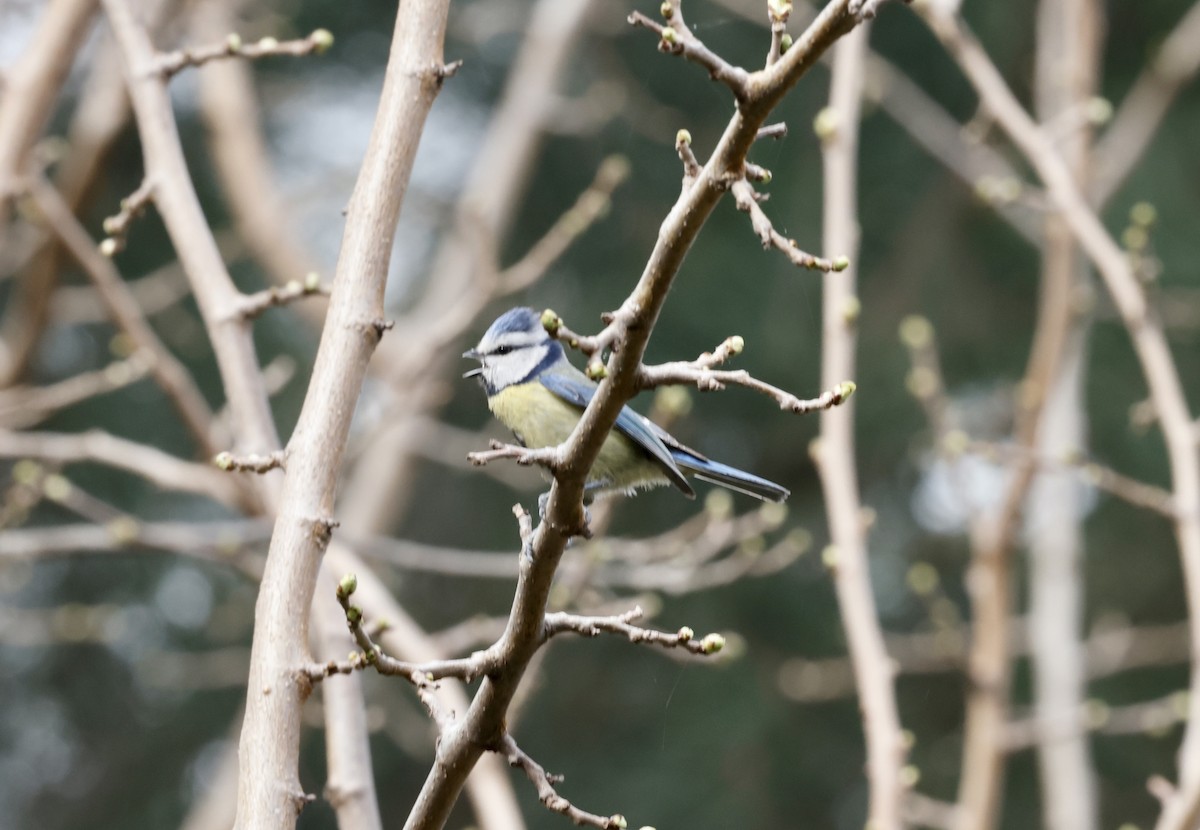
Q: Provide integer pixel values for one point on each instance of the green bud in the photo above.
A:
(111, 225)
(851, 309)
(685, 634)
(799, 540)
(1143, 214)
(667, 10)
(766, 177)
(347, 586)
(1099, 110)
(845, 389)
(123, 530)
(825, 124)
(321, 39)
(268, 43)
(597, 371)
(916, 332)
(684, 138)
(785, 43)
(773, 514)
(223, 461)
(910, 774)
(841, 263)
(26, 472)
(712, 643)
(618, 821)
(829, 557)
(736, 344)
(354, 615)
(312, 282)
(56, 487)
(551, 322)
(922, 579)
(669, 36)
(233, 42)
(718, 504)
(109, 247)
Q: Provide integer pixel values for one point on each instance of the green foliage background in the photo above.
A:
(90, 740)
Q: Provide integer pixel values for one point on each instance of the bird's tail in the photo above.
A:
(731, 477)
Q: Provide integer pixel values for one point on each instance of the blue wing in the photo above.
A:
(579, 392)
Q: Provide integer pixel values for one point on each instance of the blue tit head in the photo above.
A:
(515, 349)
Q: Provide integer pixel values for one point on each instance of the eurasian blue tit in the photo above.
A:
(535, 391)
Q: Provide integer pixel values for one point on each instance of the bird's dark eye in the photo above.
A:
(503, 350)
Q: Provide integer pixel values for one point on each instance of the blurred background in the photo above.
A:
(121, 671)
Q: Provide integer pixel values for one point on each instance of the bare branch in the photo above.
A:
(254, 305)
(1150, 345)
(592, 204)
(102, 448)
(420, 675)
(621, 624)
(747, 200)
(23, 406)
(678, 39)
(1173, 65)
(252, 463)
(547, 457)
(544, 782)
(117, 225)
(167, 370)
(834, 451)
(173, 62)
(699, 373)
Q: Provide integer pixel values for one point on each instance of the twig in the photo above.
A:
(697, 373)
(167, 370)
(117, 226)
(100, 447)
(544, 782)
(678, 39)
(420, 675)
(23, 406)
(251, 463)
(254, 305)
(547, 457)
(1168, 71)
(233, 47)
(592, 204)
(746, 199)
(621, 624)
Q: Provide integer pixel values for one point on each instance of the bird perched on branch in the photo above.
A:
(535, 391)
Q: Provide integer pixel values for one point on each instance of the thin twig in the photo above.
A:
(171, 63)
(544, 782)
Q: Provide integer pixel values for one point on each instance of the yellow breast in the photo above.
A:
(539, 418)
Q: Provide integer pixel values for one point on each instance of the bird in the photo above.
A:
(534, 390)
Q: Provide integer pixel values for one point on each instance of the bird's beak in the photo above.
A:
(471, 354)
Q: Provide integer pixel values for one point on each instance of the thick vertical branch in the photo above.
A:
(458, 284)
(834, 453)
(269, 794)
(1067, 56)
